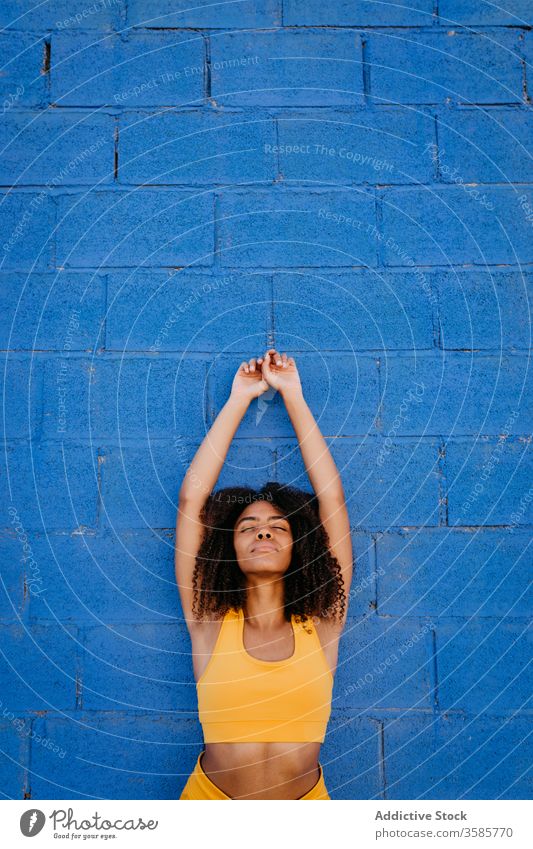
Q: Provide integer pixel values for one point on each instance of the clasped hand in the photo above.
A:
(259, 374)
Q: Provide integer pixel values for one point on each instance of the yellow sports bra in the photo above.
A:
(242, 699)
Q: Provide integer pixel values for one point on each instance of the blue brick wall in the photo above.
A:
(181, 186)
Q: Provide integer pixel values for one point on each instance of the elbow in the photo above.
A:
(191, 494)
(187, 496)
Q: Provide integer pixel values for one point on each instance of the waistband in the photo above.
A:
(199, 786)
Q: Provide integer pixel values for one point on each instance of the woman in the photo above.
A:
(264, 578)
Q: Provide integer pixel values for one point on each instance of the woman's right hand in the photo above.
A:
(249, 382)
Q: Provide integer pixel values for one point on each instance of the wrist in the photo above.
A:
(238, 402)
(293, 395)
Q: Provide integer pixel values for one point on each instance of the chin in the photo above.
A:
(264, 563)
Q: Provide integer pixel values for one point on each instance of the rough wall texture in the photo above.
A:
(184, 184)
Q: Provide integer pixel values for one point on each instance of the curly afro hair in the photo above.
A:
(313, 583)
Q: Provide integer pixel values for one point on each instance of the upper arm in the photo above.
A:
(189, 536)
(335, 520)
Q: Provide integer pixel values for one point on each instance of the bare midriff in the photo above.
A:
(262, 770)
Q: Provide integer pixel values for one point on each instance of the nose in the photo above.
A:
(263, 535)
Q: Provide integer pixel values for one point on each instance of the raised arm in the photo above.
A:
(281, 372)
(203, 473)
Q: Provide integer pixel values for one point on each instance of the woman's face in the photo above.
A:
(263, 539)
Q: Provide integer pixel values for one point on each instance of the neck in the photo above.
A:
(264, 607)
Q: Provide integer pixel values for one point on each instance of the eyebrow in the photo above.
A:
(256, 519)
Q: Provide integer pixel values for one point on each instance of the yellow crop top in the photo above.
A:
(242, 699)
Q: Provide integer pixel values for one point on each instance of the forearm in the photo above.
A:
(207, 463)
(319, 463)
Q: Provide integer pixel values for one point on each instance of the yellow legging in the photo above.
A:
(200, 786)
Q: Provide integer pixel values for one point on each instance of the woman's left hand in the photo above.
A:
(280, 372)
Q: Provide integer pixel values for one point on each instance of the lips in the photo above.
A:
(264, 546)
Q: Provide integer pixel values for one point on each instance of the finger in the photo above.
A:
(266, 367)
(276, 357)
(244, 366)
(284, 360)
(259, 361)
(252, 364)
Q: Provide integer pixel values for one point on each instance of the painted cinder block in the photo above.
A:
(445, 572)
(125, 576)
(15, 732)
(39, 667)
(357, 13)
(449, 226)
(60, 15)
(196, 147)
(385, 485)
(149, 227)
(466, 12)
(457, 756)
(488, 482)
(137, 69)
(454, 394)
(350, 757)
(26, 224)
(441, 67)
(287, 68)
(156, 753)
(482, 664)
(62, 311)
(484, 309)
(297, 228)
(99, 513)
(53, 149)
(384, 663)
(186, 311)
(137, 667)
(52, 485)
(21, 396)
(356, 146)
(204, 13)
(361, 598)
(356, 310)
(24, 70)
(247, 464)
(485, 146)
(125, 398)
(528, 58)
(16, 557)
(341, 390)
(141, 483)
